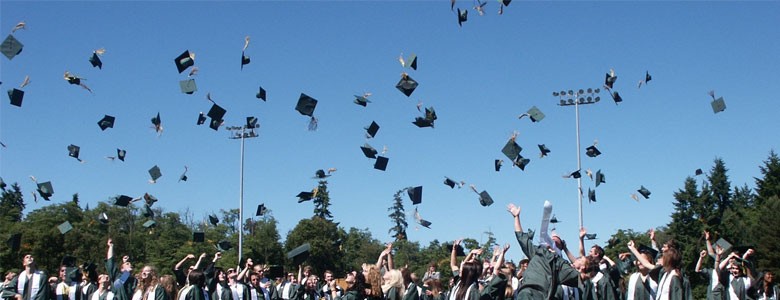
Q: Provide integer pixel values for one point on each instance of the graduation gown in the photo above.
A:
(639, 289)
(193, 292)
(670, 285)
(411, 292)
(102, 295)
(564, 292)
(546, 270)
(67, 291)
(122, 283)
(392, 294)
(34, 288)
(87, 289)
(599, 288)
(278, 291)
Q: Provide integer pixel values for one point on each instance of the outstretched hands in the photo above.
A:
(514, 210)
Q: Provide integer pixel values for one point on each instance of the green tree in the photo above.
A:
(359, 247)
(398, 217)
(11, 205)
(322, 201)
(769, 184)
(263, 241)
(321, 235)
(767, 204)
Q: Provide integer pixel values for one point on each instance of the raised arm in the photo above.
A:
(653, 243)
(710, 251)
(110, 251)
(200, 259)
(500, 261)
(390, 264)
(247, 267)
(181, 262)
(383, 254)
(725, 262)
(640, 258)
(749, 269)
(565, 249)
(583, 231)
(699, 262)
(515, 211)
(454, 256)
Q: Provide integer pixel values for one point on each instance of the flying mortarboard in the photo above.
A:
(521, 162)
(616, 97)
(644, 191)
(575, 175)
(46, 190)
(544, 150)
(16, 96)
(184, 61)
(648, 250)
(511, 150)
(103, 218)
(148, 212)
(201, 119)
(150, 224)
(381, 163)
(406, 85)
(106, 122)
(306, 105)
(458, 250)
(73, 151)
(361, 100)
(261, 209)
(590, 236)
(485, 199)
(592, 151)
(411, 62)
(420, 220)
(261, 94)
(216, 112)
(535, 114)
(320, 174)
(299, 254)
(11, 47)
(188, 86)
(449, 182)
(497, 164)
(698, 172)
(463, 16)
(591, 195)
(213, 220)
(198, 237)
(120, 154)
(724, 244)
(610, 79)
(368, 151)
(422, 122)
(718, 105)
(223, 246)
(15, 242)
(157, 121)
(251, 122)
(372, 129)
(65, 227)
(554, 220)
(95, 61)
(304, 196)
(155, 173)
(600, 178)
(150, 199)
(415, 194)
(244, 60)
(122, 200)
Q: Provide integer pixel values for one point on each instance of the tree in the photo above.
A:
(769, 185)
(720, 186)
(11, 205)
(322, 201)
(323, 236)
(263, 242)
(398, 217)
(359, 247)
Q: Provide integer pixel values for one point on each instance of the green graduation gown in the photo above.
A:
(546, 270)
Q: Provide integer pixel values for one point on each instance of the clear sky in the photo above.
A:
(478, 77)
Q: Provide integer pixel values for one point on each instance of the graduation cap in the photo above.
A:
(306, 105)
(646, 80)
(511, 150)
(610, 79)
(406, 85)
(198, 237)
(544, 150)
(304, 196)
(535, 114)
(150, 224)
(46, 190)
(422, 122)
(644, 191)
(11, 47)
(592, 151)
(216, 112)
(554, 220)
(616, 97)
(68, 261)
(648, 250)
(261, 94)
(591, 195)
(698, 172)
(261, 209)
(575, 175)
(320, 174)
(251, 122)
(521, 162)
(497, 164)
(724, 244)
(120, 154)
(463, 16)
(188, 86)
(372, 129)
(106, 122)
(14, 242)
(590, 236)
(415, 194)
(157, 122)
(95, 60)
(361, 100)
(411, 62)
(201, 119)
(150, 199)
(148, 212)
(65, 227)
(381, 163)
(184, 61)
(485, 199)
(420, 220)
(73, 151)
(299, 254)
(223, 246)
(155, 173)
(244, 60)
(449, 182)
(369, 151)
(458, 250)
(16, 96)
(718, 105)
(122, 200)
(103, 218)
(599, 178)
(213, 220)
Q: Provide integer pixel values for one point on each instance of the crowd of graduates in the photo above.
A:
(550, 271)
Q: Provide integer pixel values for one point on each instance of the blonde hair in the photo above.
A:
(395, 281)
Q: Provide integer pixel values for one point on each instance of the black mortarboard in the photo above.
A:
(68, 261)
(275, 272)
(150, 224)
(724, 244)
(148, 212)
(422, 122)
(103, 218)
(215, 123)
(122, 200)
(381, 163)
(299, 254)
(535, 114)
(106, 122)
(11, 47)
(304, 196)
(415, 194)
(458, 250)
(368, 151)
(411, 62)
(213, 220)
(251, 122)
(463, 16)
(485, 199)
(95, 61)
(648, 250)
(590, 236)
(216, 112)
(506, 2)
(648, 77)
(451, 183)
(616, 97)
(73, 151)
(497, 164)
(406, 85)
(306, 105)
(521, 162)
(224, 246)
(644, 191)
(320, 174)
(261, 209)
(188, 86)
(511, 150)
(610, 80)
(244, 60)
(16, 96)
(261, 94)
(554, 219)
(157, 121)
(46, 190)
(150, 199)
(15, 242)
(592, 151)
(155, 173)
(718, 105)
(575, 174)
(184, 61)
(600, 178)
(372, 129)
(544, 150)
(201, 119)
(120, 154)
(698, 172)
(65, 227)
(198, 237)
(591, 195)
(361, 100)
(424, 223)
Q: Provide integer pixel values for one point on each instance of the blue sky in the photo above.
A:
(478, 77)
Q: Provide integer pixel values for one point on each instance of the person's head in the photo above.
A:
(231, 274)
(434, 285)
(168, 283)
(291, 277)
(10, 275)
(432, 267)
(254, 279)
(307, 270)
(671, 243)
(220, 274)
(672, 258)
(197, 278)
(126, 266)
(469, 275)
(148, 272)
(63, 274)
(328, 276)
(373, 281)
(521, 267)
(356, 282)
(103, 279)
(769, 277)
(649, 257)
(589, 267)
(311, 282)
(350, 279)
(735, 268)
(28, 261)
(597, 252)
(393, 278)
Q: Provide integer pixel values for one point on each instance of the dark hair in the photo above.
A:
(359, 286)
(469, 275)
(672, 258)
(591, 264)
(197, 278)
(406, 275)
(599, 251)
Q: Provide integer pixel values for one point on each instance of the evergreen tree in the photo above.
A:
(398, 217)
(11, 205)
(767, 204)
(322, 201)
(320, 234)
(720, 186)
(769, 184)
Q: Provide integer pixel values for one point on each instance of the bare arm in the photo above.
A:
(640, 258)
(583, 231)
(515, 211)
(454, 255)
(390, 265)
(246, 269)
(570, 256)
(110, 252)
(710, 251)
(726, 261)
(702, 255)
(653, 244)
(500, 261)
(200, 259)
(181, 262)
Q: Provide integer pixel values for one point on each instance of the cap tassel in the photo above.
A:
(25, 82)
(20, 25)
(313, 124)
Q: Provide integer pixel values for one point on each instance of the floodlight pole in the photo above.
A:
(576, 101)
(241, 135)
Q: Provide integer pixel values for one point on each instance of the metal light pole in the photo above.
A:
(240, 132)
(576, 99)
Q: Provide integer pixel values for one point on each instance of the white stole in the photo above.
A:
(666, 283)
(595, 282)
(253, 293)
(183, 294)
(36, 280)
(96, 295)
(151, 294)
(238, 291)
(745, 280)
(714, 279)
